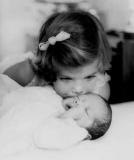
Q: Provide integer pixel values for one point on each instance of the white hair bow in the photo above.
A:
(52, 40)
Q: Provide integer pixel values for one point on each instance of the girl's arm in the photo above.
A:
(21, 72)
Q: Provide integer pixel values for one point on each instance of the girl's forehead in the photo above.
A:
(82, 71)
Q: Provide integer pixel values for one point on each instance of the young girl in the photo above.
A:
(73, 56)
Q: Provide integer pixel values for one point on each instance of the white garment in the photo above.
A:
(13, 59)
(30, 119)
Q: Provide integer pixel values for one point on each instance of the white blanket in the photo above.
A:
(118, 142)
(29, 119)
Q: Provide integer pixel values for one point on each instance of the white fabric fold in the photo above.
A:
(30, 118)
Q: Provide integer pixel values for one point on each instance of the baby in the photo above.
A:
(84, 117)
(89, 111)
(37, 111)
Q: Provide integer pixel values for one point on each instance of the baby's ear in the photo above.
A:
(88, 137)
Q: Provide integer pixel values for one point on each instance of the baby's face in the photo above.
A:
(84, 109)
(80, 115)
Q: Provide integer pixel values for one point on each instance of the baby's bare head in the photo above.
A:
(100, 112)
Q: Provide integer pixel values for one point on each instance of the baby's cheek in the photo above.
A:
(84, 122)
(83, 101)
(91, 86)
(71, 113)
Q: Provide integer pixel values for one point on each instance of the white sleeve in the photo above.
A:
(13, 59)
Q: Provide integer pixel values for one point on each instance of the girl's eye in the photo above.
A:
(65, 79)
(90, 77)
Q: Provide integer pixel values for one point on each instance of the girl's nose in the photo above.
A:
(78, 89)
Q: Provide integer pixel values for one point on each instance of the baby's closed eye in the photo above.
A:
(67, 107)
(69, 103)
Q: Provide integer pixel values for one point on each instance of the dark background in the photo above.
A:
(122, 71)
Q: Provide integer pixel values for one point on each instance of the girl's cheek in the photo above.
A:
(90, 85)
(67, 85)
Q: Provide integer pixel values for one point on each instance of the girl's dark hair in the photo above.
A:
(87, 43)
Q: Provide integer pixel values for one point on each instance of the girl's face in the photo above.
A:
(76, 81)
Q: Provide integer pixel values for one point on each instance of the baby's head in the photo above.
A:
(90, 112)
(102, 117)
